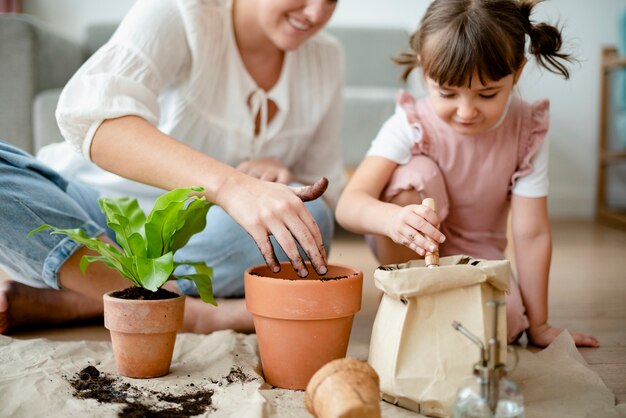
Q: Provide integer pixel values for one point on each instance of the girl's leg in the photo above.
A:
(410, 184)
(387, 251)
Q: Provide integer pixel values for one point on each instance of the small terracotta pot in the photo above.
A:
(301, 324)
(143, 333)
(344, 388)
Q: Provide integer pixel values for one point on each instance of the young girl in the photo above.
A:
(473, 146)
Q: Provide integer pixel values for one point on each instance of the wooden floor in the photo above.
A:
(587, 293)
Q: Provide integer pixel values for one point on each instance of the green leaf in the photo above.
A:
(125, 217)
(149, 243)
(154, 272)
(202, 268)
(124, 266)
(202, 280)
(193, 220)
(41, 228)
(81, 237)
(162, 220)
(110, 254)
(205, 288)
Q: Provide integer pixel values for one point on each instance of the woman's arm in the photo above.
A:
(131, 147)
(361, 211)
(532, 242)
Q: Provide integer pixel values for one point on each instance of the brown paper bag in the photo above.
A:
(420, 358)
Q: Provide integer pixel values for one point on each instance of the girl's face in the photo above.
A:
(472, 110)
(289, 23)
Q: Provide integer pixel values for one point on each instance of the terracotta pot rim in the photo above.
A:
(308, 282)
(306, 299)
(143, 316)
(287, 264)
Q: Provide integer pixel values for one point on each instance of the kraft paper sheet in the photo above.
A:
(556, 382)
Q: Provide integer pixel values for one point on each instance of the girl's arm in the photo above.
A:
(361, 211)
(131, 147)
(532, 241)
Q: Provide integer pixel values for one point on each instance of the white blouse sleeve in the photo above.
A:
(535, 183)
(147, 53)
(395, 139)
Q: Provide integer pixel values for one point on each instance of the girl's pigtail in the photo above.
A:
(409, 60)
(545, 42)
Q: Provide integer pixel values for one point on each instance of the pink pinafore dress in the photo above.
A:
(471, 178)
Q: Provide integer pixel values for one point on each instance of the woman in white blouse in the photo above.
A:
(236, 96)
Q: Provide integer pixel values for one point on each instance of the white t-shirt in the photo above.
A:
(175, 63)
(396, 138)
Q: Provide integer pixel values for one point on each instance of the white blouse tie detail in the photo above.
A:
(259, 107)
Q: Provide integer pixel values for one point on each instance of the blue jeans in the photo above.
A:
(32, 194)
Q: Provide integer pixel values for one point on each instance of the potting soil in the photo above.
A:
(90, 383)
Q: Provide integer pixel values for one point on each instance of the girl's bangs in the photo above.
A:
(453, 60)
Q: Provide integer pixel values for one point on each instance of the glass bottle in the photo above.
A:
(489, 394)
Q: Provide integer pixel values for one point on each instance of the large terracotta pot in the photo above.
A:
(301, 324)
(143, 333)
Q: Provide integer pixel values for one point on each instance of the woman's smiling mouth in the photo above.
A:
(298, 24)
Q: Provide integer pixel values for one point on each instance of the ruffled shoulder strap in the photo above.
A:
(535, 123)
(407, 102)
(412, 109)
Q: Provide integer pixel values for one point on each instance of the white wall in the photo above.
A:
(574, 103)
(71, 17)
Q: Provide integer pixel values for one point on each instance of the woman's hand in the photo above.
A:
(267, 169)
(411, 225)
(267, 208)
(544, 334)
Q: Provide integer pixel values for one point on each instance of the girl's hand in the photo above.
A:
(544, 334)
(267, 169)
(266, 208)
(411, 225)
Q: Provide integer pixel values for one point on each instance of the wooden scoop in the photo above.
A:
(431, 259)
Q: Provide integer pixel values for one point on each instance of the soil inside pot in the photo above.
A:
(321, 278)
(139, 293)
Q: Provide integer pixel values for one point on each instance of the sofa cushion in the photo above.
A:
(18, 81)
(372, 81)
(369, 53)
(34, 58)
(45, 128)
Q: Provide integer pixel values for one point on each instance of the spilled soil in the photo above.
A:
(91, 383)
(236, 375)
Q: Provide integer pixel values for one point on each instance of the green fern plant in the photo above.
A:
(148, 244)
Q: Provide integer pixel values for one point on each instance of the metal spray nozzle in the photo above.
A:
(489, 369)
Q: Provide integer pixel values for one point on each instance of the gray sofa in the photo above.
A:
(37, 62)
